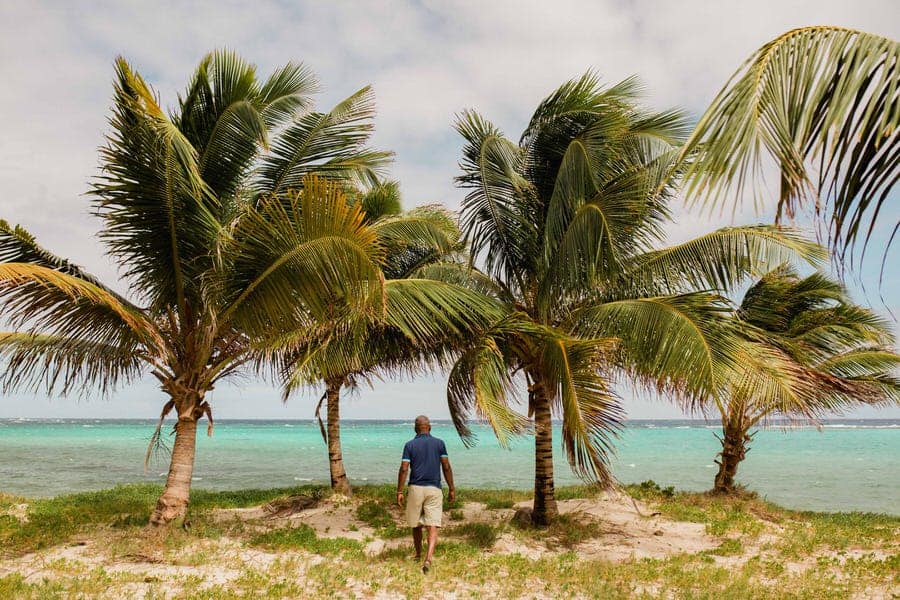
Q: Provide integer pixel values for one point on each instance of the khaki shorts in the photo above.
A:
(424, 506)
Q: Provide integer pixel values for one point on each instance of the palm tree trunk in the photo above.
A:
(734, 449)
(339, 482)
(545, 509)
(173, 502)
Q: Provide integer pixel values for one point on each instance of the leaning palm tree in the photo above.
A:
(819, 354)
(225, 238)
(413, 240)
(566, 222)
(820, 106)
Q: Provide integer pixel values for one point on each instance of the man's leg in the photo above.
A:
(432, 542)
(432, 509)
(417, 541)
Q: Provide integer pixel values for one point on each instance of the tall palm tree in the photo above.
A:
(414, 240)
(821, 354)
(566, 222)
(821, 106)
(224, 236)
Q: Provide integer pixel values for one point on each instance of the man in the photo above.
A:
(424, 457)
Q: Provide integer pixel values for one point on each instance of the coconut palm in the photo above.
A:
(821, 106)
(820, 354)
(566, 222)
(224, 236)
(420, 238)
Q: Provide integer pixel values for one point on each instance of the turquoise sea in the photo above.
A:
(845, 465)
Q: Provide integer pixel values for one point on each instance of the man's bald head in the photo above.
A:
(423, 425)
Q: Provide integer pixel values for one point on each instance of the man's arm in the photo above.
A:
(401, 480)
(448, 475)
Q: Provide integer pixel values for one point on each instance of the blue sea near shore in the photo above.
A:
(847, 465)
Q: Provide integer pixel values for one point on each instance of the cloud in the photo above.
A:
(427, 61)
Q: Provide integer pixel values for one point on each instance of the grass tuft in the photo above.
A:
(303, 536)
(482, 535)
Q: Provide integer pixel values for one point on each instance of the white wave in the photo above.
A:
(302, 478)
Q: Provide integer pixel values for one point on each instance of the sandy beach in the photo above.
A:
(642, 542)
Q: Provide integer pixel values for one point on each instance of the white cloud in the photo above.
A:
(427, 61)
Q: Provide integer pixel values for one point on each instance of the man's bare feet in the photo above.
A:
(426, 566)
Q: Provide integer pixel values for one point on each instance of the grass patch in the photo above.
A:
(204, 499)
(482, 535)
(566, 531)
(378, 517)
(650, 490)
(828, 546)
(493, 499)
(730, 547)
(303, 536)
(54, 520)
(374, 515)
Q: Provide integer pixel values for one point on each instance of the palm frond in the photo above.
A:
(823, 105)
(17, 245)
(331, 144)
(812, 351)
(382, 200)
(429, 227)
(429, 311)
(720, 259)
(57, 303)
(480, 382)
(684, 344)
(464, 275)
(54, 363)
(592, 413)
(158, 212)
(300, 255)
(492, 216)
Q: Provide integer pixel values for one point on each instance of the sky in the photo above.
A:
(426, 61)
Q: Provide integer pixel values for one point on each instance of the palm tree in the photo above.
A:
(821, 105)
(413, 241)
(565, 223)
(224, 236)
(820, 354)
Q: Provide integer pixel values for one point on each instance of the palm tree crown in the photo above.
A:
(414, 242)
(224, 234)
(819, 105)
(566, 222)
(818, 353)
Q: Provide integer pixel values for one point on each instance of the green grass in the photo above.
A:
(378, 517)
(481, 535)
(303, 536)
(843, 554)
(567, 531)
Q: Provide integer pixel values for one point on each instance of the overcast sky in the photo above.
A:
(426, 61)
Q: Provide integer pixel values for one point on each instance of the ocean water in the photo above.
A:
(845, 465)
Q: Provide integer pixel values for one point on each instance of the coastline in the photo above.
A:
(846, 466)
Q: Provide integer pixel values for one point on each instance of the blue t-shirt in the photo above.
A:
(424, 453)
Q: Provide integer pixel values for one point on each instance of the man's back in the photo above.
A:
(424, 453)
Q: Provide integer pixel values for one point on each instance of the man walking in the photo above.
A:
(424, 457)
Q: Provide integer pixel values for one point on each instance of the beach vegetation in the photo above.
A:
(817, 106)
(820, 354)
(756, 550)
(231, 222)
(304, 536)
(569, 223)
(351, 353)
